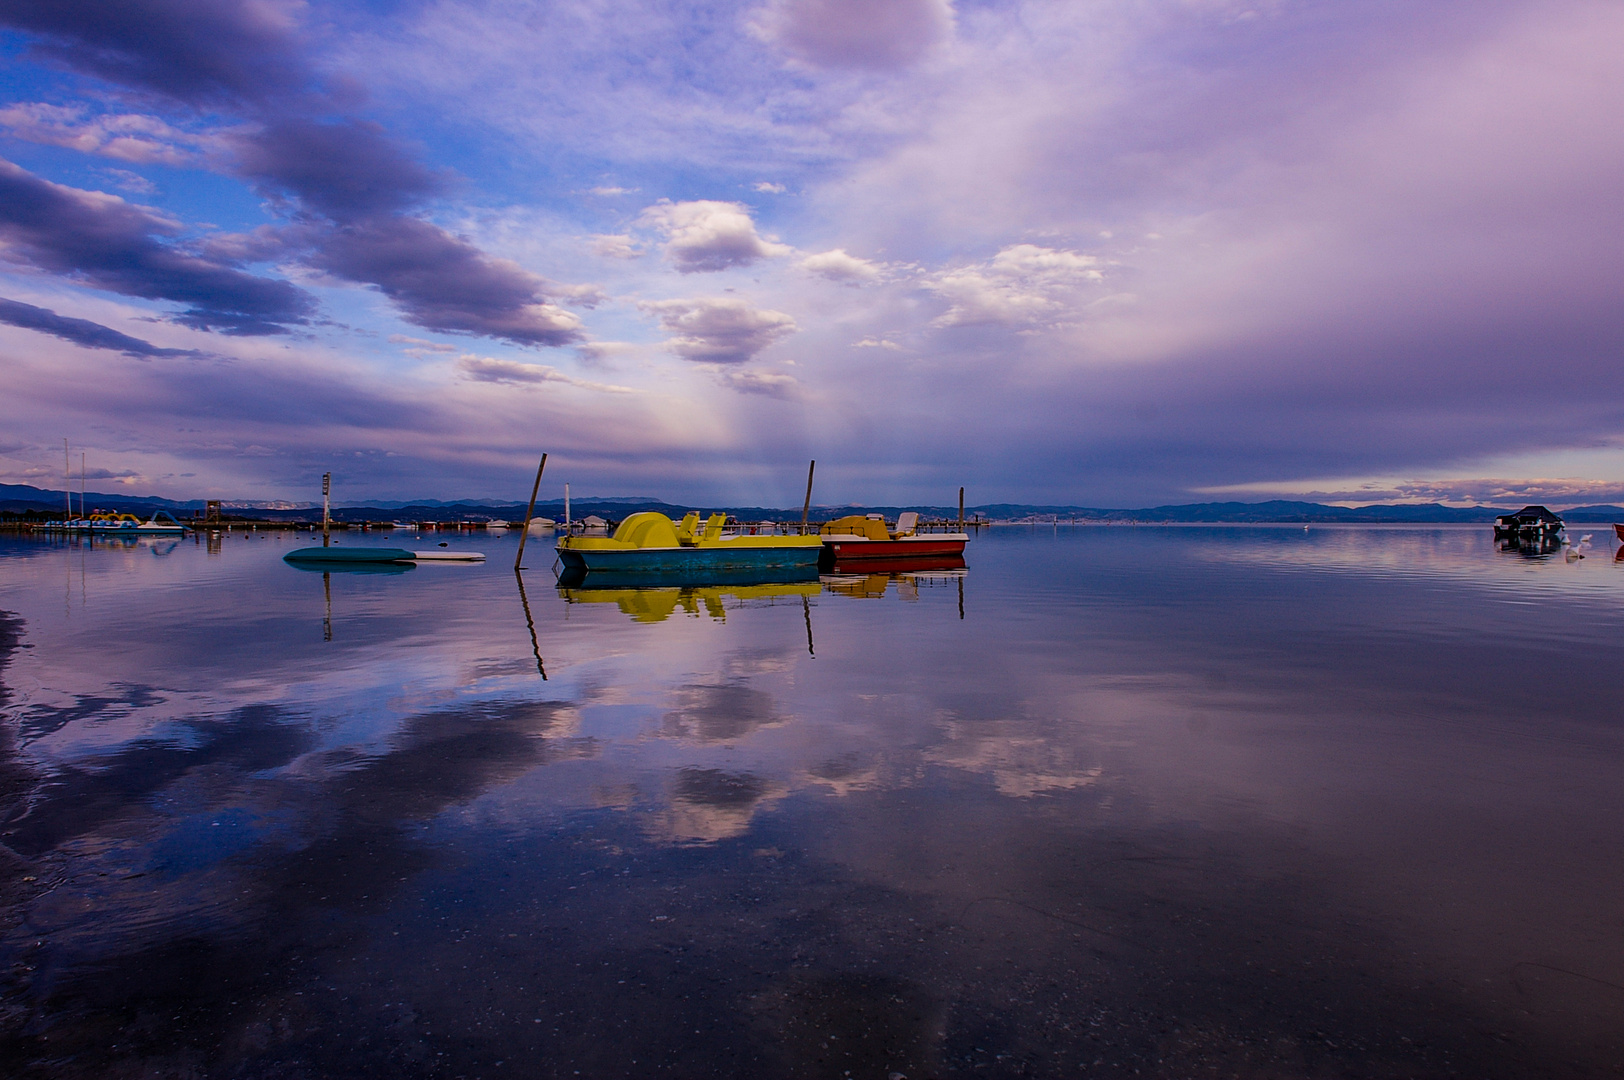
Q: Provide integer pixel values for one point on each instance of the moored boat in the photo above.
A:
(651, 542)
(866, 539)
(1618, 530)
(377, 555)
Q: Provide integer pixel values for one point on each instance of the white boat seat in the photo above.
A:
(907, 523)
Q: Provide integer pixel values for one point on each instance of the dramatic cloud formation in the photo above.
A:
(92, 335)
(719, 329)
(110, 244)
(193, 50)
(706, 236)
(856, 33)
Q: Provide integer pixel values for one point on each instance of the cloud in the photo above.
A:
(765, 383)
(836, 265)
(489, 369)
(134, 183)
(719, 329)
(345, 170)
(348, 171)
(192, 50)
(132, 137)
(769, 188)
(608, 192)
(1023, 283)
(110, 244)
(705, 235)
(442, 283)
(616, 246)
(92, 335)
(874, 34)
(876, 343)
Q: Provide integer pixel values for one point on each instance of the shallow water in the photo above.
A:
(1114, 801)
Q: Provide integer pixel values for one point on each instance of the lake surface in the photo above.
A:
(1112, 802)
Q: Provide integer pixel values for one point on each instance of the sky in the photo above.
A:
(1096, 252)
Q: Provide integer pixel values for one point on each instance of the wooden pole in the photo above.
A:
(961, 509)
(528, 514)
(326, 517)
(806, 507)
(81, 483)
(67, 484)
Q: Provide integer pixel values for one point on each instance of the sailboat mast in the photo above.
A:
(67, 484)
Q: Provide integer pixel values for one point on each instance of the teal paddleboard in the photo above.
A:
(349, 555)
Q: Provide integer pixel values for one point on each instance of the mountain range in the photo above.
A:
(21, 499)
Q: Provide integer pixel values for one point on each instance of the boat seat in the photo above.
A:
(713, 526)
(906, 523)
(688, 531)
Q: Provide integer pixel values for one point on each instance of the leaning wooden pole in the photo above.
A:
(806, 507)
(961, 509)
(528, 514)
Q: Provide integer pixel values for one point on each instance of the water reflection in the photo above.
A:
(1167, 801)
(652, 603)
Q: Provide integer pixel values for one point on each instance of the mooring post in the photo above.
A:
(528, 514)
(806, 507)
(326, 517)
(961, 509)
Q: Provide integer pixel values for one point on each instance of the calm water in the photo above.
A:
(1161, 802)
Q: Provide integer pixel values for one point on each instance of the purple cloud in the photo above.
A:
(877, 34)
(442, 283)
(110, 244)
(347, 171)
(191, 50)
(344, 170)
(92, 335)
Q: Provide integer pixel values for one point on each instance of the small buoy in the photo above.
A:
(444, 544)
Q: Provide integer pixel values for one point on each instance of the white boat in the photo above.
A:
(449, 556)
(117, 525)
(496, 524)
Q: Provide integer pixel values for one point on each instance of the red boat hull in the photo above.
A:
(910, 550)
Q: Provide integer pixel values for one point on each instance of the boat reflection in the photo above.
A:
(874, 585)
(1532, 545)
(652, 598)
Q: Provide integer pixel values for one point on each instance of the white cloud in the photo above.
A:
(615, 246)
(719, 329)
(1023, 283)
(707, 235)
(611, 191)
(770, 188)
(836, 265)
(875, 34)
(132, 137)
(876, 343)
(490, 369)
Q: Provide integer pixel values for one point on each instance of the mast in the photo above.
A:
(67, 484)
(566, 509)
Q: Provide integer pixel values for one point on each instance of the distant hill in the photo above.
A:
(21, 498)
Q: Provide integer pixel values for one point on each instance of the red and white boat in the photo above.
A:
(862, 540)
